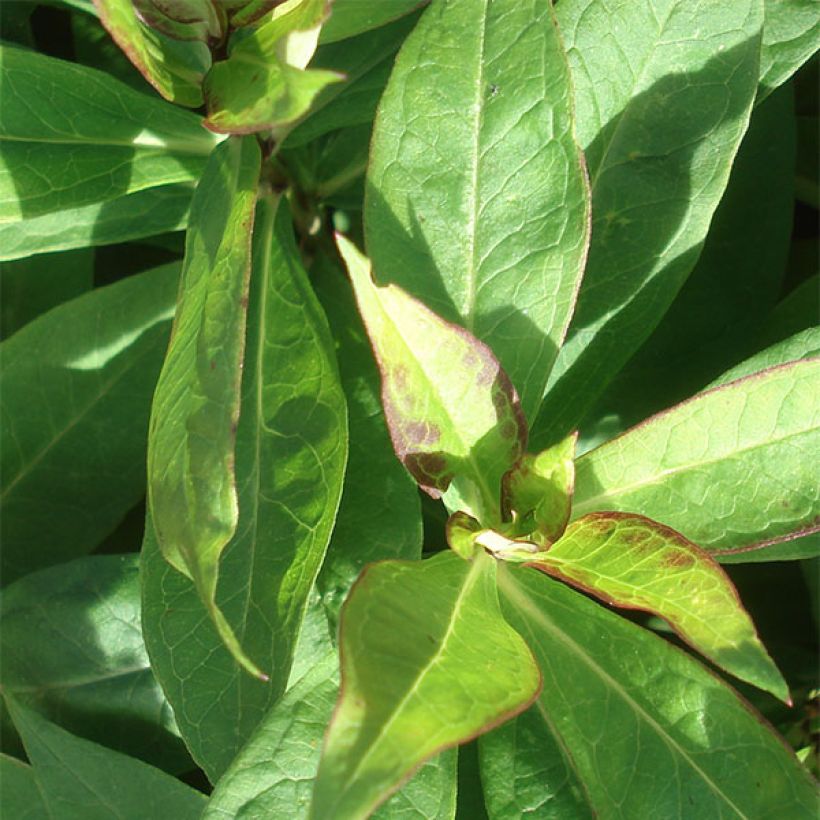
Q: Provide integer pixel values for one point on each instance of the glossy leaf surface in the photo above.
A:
(76, 390)
(631, 561)
(791, 35)
(290, 459)
(427, 662)
(660, 114)
(80, 780)
(477, 199)
(648, 731)
(176, 70)
(191, 481)
(263, 84)
(712, 468)
(452, 420)
(72, 648)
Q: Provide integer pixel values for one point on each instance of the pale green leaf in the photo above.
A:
(732, 469)
(631, 561)
(290, 458)
(191, 481)
(71, 648)
(477, 199)
(647, 730)
(427, 663)
(76, 388)
(453, 419)
(663, 91)
(80, 780)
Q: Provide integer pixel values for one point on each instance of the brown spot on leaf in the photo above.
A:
(430, 470)
(678, 559)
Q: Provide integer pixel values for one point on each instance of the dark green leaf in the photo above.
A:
(648, 731)
(351, 17)
(427, 662)
(22, 798)
(76, 390)
(80, 780)
(72, 649)
(477, 199)
(663, 93)
(290, 457)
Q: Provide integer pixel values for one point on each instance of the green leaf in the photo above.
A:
(191, 482)
(798, 549)
(454, 417)
(22, 798)
(663, 94)
(71, 136)
(80, 780)
(290, 459)
(648, 731)
(30, 287)
(427, 663)
(538, 492)
(791, 36)
(713, 467)
(377, 519)
(71, 648)
(807, 176)
(76, 389)
(477, 199)
(184, 19)
(795, 312)
(146, 213)
(351, 17)
(273, 774)
(715, 319)
(628, 560)
(176, 70)
(263, 84)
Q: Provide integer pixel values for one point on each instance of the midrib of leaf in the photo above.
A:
(524, 602)
(469, 582)
(478, 108)
(655, 477)
(161, 145)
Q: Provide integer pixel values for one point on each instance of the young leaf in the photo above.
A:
(71, 648)
(79, 779)
(427, 662)
(273, 774)
(660, 112)
(477, 199)
(453, 415)
(631, 561)
(109, 141)
(75, 395)
(647, 730)
(538, 490)
(791, 36)
(176, 70)
(351, 17)
(291, 448)
(713, 467)
(191, 482)
(263, 84)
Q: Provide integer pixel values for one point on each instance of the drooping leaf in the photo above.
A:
(631, 561)
(80, 780)
(660, 115)
(290, 459)
(351, 17)
(713, 468)
(71, 648)
(273, 774)
(145, 213)
(454, 418)
(477, 199)
(76, 388)
(377, 518)
(427, 663)
(175, 69)
(715, 320)
(791, 35)
(22, 798)
(191, 481)
(264, 85)
(646, 729)
(538, 492)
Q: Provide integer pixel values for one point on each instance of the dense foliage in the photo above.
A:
(409, 409)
